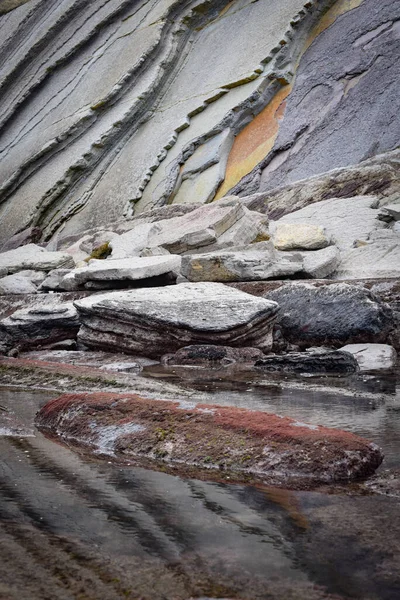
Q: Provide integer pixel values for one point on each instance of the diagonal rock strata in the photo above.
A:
(227, 442)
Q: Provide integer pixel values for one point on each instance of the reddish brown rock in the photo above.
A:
(227, 442)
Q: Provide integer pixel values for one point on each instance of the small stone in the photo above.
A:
(299, 236)
(373, 357)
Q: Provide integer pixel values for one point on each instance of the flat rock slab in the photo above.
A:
(225, 441)
(333, 362)
(152, 323)
(33, 257)
(16, 284)
(249, 263)
(373, 357)
(132, 269)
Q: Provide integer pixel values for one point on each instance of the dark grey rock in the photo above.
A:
(209, 355)
(332, 362)
(332, 315)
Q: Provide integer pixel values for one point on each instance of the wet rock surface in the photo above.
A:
(239, 442)
(317, 361)
(212, 355)
(154, 322)
(336, 314)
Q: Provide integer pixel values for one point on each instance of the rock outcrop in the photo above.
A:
(99, 118)
(154, 322)
(336, 314)
(236, 442)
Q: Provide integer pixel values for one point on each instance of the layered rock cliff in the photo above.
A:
(111, 108)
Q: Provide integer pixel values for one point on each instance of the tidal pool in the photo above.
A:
(79, 528)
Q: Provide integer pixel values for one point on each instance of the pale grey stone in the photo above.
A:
(345, 220)
(321, 263)
(249, 263)
(33, 257)
(373, 357)
(161, 320)
(299, 236)
(377, 259)
(390, 212)
(16, 284)
(202, 227)
(132, 242)
(54, 281)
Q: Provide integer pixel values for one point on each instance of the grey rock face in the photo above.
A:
(41, 325)
(379, 258)
(16, 284)
(114, 270)
(33, 257)
(336, 314)
(153, 322)
(327, 362)
(373, 357)
(249, 263)
(344, 81)
(116, 99)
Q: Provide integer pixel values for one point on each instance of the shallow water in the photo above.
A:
(74, 527)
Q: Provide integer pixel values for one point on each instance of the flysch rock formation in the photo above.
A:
(168, 149)
(111, 108)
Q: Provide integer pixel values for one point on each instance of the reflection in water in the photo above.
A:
(72, 527)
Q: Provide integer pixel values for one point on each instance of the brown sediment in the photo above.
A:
(233, 443)
(257, 139)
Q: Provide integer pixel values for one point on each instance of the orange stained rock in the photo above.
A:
(257, 139)
(254, 142)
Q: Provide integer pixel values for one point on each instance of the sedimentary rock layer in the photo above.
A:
(153, 322)
(110, 107)
(228, 441)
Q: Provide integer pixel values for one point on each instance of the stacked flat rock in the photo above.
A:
(249, 263)
(33, 257)
(161, 320)
(40, 325)
(131, 269)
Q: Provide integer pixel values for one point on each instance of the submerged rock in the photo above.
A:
(152, 323)
(372, 357)
(332, 362)
(212, 355)
(225, 441)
